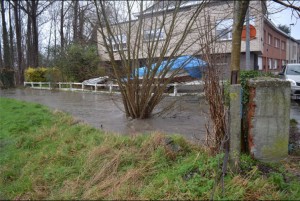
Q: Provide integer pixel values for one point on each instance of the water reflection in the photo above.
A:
(186, 116)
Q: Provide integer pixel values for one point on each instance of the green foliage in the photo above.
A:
(42, 74)
(247, 75)
(293, 122)
(284, 28)
(79, 62)
(49, 155)
(35, 74)
(54, 75)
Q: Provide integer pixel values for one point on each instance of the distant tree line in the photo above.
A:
(23, 42)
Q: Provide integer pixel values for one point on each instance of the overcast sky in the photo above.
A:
(285, 16)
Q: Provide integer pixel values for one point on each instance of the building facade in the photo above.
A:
(269, 46)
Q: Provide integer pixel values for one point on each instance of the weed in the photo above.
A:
(54, 156)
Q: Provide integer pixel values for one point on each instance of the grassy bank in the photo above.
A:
(49, 155)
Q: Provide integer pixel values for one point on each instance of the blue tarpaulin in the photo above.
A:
(192, 65)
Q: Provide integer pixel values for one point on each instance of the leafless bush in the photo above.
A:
(217, 134)
(159, 34)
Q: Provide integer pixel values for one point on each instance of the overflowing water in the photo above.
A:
(187, 116)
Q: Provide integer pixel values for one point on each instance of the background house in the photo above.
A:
(269, 46)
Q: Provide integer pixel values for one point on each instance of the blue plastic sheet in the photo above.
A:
(192, 65)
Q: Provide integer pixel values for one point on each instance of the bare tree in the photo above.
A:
(6, 48)
(240, 8)
(19, 42)
(33, 9)
(157, 33)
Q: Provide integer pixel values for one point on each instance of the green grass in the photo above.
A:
(47, 154)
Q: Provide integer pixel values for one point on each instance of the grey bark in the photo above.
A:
(19, 42)
(6, 49)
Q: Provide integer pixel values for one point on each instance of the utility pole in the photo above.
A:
(248, 40)
(290, 40)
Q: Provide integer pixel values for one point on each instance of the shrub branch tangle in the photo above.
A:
(216, 136)
(137, 49)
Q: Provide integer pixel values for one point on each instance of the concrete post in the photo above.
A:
(95, 87)
(235, 115)
(175, 89)
(268, 118)
(110, 87)
(82, 86)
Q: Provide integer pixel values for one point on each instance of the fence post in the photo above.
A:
(110, 88)
(49, 85)
(95, 87)
(40, 85)
(59, 85)
(82, 86)
(71, 86)
(31, 84)
(175, 89)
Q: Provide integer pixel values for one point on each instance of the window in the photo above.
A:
(282, 45)
(276, 40)
(155, 34)
(270, 63)
(275, 63)
(269, 39)
(224, 29)
(119, 42)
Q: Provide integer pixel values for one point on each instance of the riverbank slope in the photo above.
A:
(47, 154)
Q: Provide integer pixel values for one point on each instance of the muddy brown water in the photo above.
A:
(187, 115)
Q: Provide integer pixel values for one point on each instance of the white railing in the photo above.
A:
(108, 88)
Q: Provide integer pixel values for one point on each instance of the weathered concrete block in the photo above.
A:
(235, 123)
(268, 118)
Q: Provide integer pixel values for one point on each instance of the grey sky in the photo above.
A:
(285, 16)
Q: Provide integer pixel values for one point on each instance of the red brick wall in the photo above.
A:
(272, 50)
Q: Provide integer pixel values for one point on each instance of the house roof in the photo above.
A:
(279, 30)
(160, 6)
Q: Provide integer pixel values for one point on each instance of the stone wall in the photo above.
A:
(268, 118)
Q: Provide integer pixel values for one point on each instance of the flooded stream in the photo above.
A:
(187, 116)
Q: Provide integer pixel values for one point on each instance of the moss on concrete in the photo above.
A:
(268, 82)
(277, 150)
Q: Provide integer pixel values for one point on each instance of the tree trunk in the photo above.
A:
(11, 38)
(1, 61)
(49, 42)
(29, 39)
(75, 22)
(81, 26)
(62, 27)
(35, 35)
(6, 49)
(240, 9)
(19, 43)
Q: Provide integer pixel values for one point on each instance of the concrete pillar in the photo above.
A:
(235, 116)
(268, 118)
(175, 89)
(110, 87)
